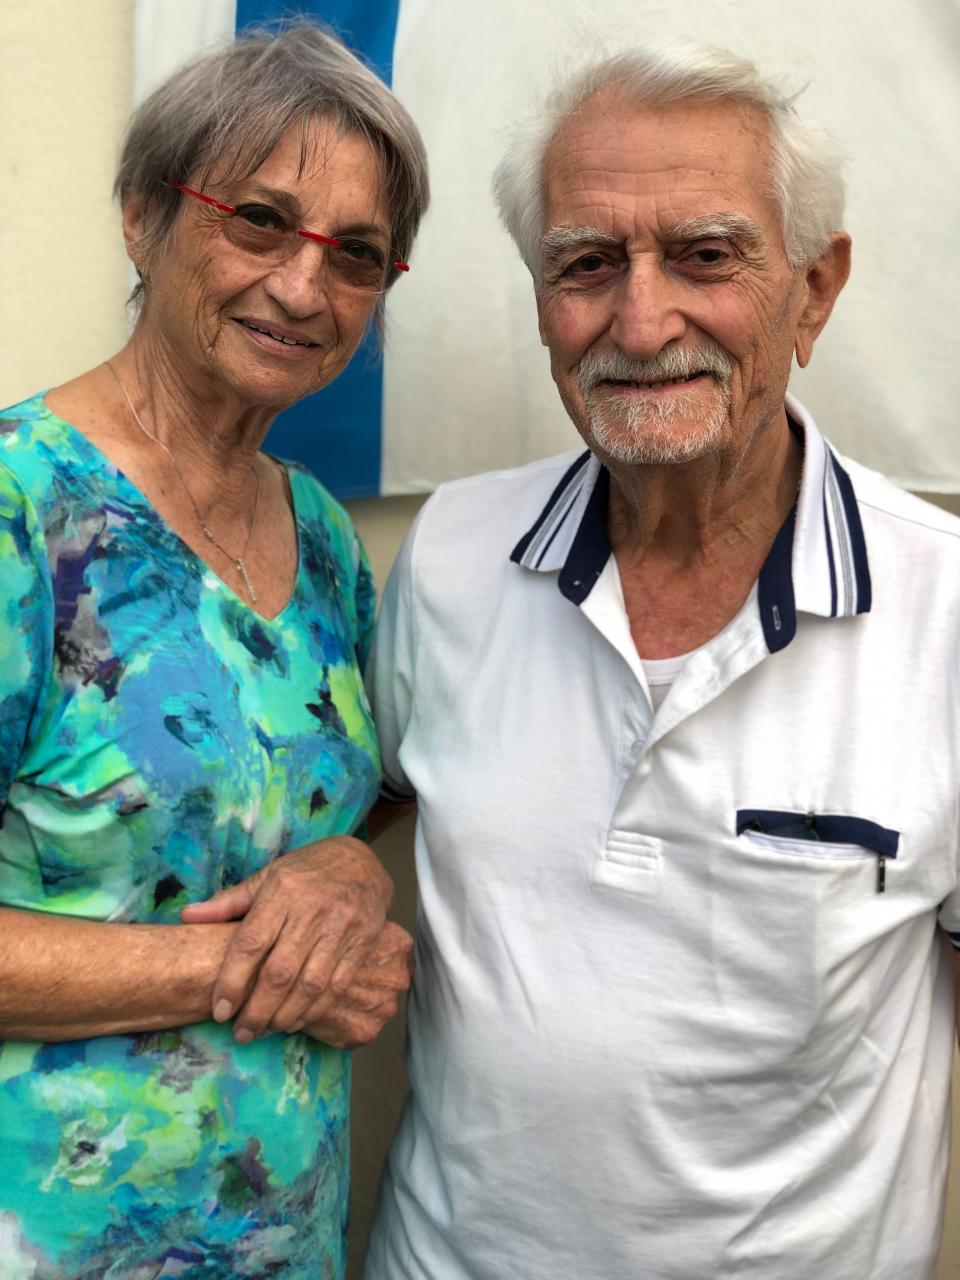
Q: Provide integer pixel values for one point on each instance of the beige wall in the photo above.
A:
(65, 91)
(64, 96)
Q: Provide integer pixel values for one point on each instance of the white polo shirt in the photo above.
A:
(681, 1008)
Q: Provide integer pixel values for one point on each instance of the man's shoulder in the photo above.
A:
(493, 509)
(456, 557)
(536, 477)
(906, 517)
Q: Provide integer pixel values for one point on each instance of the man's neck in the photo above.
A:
(691, 538)
(690, 510)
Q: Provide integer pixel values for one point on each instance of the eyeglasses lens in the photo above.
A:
(260, 230)
(354, 262)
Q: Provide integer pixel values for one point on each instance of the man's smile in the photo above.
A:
(663, 384)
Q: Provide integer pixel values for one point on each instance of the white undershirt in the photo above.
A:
(661, 673)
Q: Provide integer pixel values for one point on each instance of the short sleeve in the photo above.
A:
(949, 918)
(26, 623)
(390, 671)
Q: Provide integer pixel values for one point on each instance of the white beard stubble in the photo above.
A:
(644, 431)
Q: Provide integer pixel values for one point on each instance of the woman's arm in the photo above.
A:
(66, 979)
(309, 921)
(63, 978)
(357, 1017)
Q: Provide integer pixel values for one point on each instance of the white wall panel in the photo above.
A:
(466, 383)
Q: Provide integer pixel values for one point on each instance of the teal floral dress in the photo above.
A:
(159, 740)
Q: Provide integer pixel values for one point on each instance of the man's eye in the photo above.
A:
(589, 264)
(709, 257)
(262, 217)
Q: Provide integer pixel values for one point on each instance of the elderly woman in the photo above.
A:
(181, 702)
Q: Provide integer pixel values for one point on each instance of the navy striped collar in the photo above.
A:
(817, 564)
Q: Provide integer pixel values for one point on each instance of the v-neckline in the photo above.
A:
(206, 568)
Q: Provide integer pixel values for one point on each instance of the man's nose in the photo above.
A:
(301, 284)
(648, 312)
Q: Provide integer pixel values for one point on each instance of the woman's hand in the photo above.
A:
(308, 922)
(358, 1016)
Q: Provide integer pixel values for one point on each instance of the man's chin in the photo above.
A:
(658, 444)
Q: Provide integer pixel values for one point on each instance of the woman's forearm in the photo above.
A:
(67, 979)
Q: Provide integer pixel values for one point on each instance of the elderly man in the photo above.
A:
(681, 717)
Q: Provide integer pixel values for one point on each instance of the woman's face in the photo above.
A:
(265, 332)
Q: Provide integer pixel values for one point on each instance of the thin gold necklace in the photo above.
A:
(238, 560)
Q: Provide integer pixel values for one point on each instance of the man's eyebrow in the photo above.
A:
(561, 240)
(736, 227)
(718, 226)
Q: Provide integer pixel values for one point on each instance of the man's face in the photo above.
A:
(668, 304)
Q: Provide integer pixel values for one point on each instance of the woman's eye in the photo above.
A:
(360, 251)
(262, 217)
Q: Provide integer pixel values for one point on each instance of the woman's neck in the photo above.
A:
(213, 439)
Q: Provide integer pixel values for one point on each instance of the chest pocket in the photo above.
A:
(830, 836)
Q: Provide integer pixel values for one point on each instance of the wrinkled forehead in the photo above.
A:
(685, 158)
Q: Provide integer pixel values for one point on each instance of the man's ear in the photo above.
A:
(823, 278)
(134, 229)
(539, 298)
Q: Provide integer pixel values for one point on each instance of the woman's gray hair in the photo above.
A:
(806, 180)
(227, 111)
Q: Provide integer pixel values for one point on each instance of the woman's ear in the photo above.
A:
(134, 230)
(824, 278)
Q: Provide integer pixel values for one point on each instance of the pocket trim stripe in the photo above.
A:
(831, 828)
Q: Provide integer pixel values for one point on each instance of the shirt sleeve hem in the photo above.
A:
(393, 793)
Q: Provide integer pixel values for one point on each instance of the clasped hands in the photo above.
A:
(313, 950)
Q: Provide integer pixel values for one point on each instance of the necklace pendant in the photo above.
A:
(207, 533)
(242, 570)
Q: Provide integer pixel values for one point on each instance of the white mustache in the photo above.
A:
(670, 363)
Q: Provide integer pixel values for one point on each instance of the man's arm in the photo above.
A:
(389, 678)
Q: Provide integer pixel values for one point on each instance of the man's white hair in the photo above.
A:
(806, 182)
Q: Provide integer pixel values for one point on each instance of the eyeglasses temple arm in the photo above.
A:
(198, 195)
(338, 244)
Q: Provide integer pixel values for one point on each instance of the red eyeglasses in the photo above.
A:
(259, 229)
